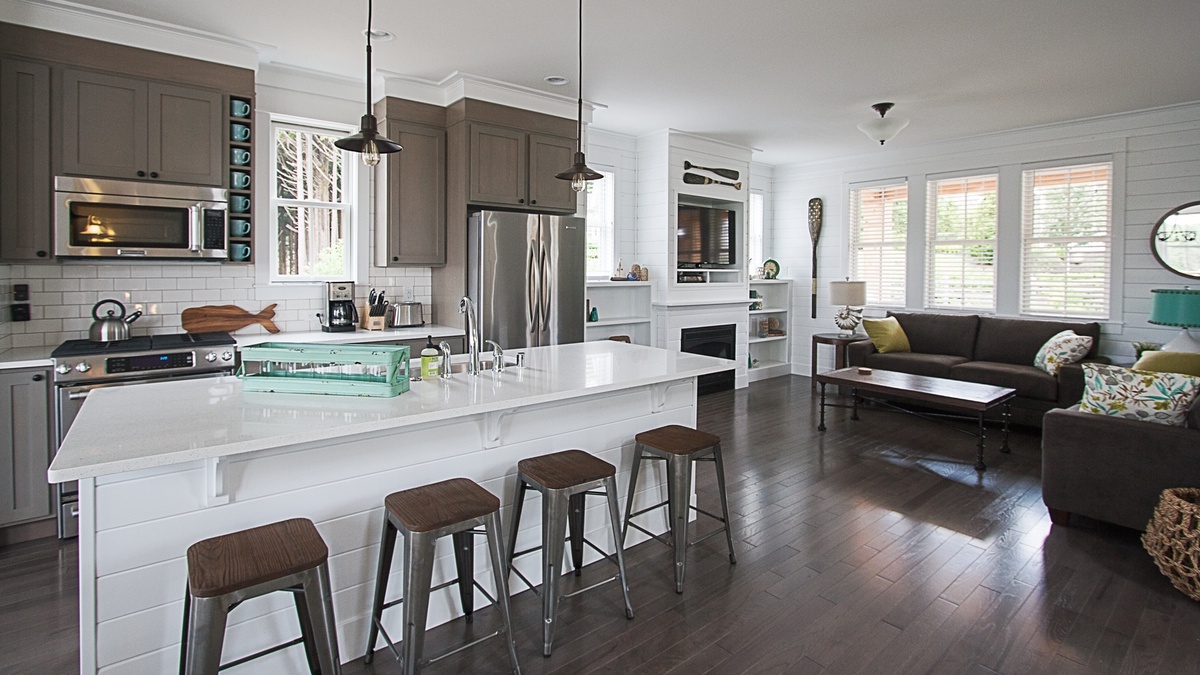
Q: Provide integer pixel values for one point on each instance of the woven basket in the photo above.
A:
(1173, 538)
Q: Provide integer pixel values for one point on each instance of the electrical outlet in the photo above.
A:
(20, 292)
(20, 311)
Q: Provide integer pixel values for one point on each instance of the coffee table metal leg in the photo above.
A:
(821, 426)
(854, 408)
(979, 465)
(1007, 414)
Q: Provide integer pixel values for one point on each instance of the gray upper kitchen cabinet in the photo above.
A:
(25, 446)
(124, 127)
(410, 226)
(514, 168)
(25, 199)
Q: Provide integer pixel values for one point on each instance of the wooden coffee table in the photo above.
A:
(969, 397)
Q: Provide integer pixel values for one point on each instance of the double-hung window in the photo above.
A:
(312, 198)
(1066, 247)
(602, 225)
(754, 229)
(878, 238)
(960, 235)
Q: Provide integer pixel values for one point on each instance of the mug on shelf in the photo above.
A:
(239, 252)
(239, 108)
(239, 204)
(239, 156)
(239, 227)
(239, 132)
(239, 180)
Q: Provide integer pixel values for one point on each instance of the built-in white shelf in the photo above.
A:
(619, 321)
(769, 338)
(770, 356)
(623, 308)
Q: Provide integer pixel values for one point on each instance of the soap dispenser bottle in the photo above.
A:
(429, 360)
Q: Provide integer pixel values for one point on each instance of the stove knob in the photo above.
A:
(226, 356)
(83, 366)
(210, 357)
(62, 368)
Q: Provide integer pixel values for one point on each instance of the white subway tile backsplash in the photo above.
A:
(37, 272)
(177, 296)
(206, 296)
(219, 282)
(146, 271)
(190, 283)
(206, 271)
(160, 284)
(95, 284)
(79, 272)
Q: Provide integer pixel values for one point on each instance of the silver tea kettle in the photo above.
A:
(110, 328)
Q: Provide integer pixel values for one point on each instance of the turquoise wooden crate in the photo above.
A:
(342, 370)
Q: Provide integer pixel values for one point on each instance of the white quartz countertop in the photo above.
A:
(159, 424)
(26, 357)
(353, 337)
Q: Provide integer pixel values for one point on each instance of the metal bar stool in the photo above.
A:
(565, 479)
(679, 447)
(226, 570)
(423, 515)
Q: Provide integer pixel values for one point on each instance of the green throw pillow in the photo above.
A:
(887, 335)
(1162, 398)
(1187, 363)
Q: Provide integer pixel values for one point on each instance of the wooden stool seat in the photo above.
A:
(437, 505)
(678, 440)
(240, 560)
(561, 470)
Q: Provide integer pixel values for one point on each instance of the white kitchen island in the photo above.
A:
(163, 465)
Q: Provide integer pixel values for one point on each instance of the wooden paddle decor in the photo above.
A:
(731, 174)
(815, 214)
(697, 179)
(226, 319)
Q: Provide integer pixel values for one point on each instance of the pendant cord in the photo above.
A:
(579, 111)
(370, 11)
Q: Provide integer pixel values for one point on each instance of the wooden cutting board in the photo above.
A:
(226, 318)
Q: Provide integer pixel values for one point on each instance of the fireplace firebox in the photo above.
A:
(717, 341)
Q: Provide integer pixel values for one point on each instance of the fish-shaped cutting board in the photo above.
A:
(225, 318)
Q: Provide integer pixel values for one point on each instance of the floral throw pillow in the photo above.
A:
(1061, 349)
(1162, 398)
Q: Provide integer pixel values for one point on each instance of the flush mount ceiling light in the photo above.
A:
(579, 173)
(885, 128)
(367, 141)
(556, 80)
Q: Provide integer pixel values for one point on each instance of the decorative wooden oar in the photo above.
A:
(815, 214)
(697, 179)
(731, 174)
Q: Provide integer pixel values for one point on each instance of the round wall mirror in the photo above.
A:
(1175, 240)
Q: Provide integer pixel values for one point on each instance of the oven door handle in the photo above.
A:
(76, 395)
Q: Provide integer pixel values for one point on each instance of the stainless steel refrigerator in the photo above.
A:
(525, 273)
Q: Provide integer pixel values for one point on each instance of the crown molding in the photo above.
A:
(62, 16)
(459, 85)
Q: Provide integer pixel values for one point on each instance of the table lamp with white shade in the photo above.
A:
(1177, 307)
(851, 295)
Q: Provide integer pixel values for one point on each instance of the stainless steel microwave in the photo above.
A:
(95, 218)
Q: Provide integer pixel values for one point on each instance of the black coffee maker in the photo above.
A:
(340, 314)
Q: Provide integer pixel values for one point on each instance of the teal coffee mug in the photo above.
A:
(239, 156)
(239, 204)
(239, 180)
(238, 108)
(239, 132)
(239, 227)
(239, 251)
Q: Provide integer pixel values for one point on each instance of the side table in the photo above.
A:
(839, 343)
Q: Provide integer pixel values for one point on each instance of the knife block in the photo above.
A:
(369, 322)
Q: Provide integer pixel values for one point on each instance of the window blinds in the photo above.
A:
(961, 243)
(1066, 251)
(878, 233)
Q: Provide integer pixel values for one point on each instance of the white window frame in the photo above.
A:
(756, 229)
(351, 178)
(610, 174)
(933, 242)
(876, 296)
(1103, 295)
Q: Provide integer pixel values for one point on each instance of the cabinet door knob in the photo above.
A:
(38, 378)
(520, 201)
(141, 174)
(154, 174)
(532, 201)
(395, 258)
(42, 254)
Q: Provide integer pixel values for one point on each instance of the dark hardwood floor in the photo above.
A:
(874, 547)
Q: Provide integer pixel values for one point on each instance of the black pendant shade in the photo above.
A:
(580, 172)
(367, 142)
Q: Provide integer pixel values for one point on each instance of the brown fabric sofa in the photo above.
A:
(988, 350)
(1114, 469)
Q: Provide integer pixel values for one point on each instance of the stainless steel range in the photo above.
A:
(81, 366)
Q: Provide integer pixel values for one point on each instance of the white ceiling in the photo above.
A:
(790, 77)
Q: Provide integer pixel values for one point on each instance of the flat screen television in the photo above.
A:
(705, 237)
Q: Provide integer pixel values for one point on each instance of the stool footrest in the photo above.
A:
(588, 588)
(661, 538)
(268, 650)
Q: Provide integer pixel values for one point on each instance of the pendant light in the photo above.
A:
(367, 141)
(580, 172)
(885, 128)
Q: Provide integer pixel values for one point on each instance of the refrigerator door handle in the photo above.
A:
(546, 290)
(531, 289)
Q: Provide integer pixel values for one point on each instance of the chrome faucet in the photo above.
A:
(497, 356)
(465, 306)
(444, 364)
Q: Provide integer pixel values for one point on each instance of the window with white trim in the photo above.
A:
(878, 236)
(1066, 241)
(602, 225)
(312, 204)
(754, 229)
(960, 235)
